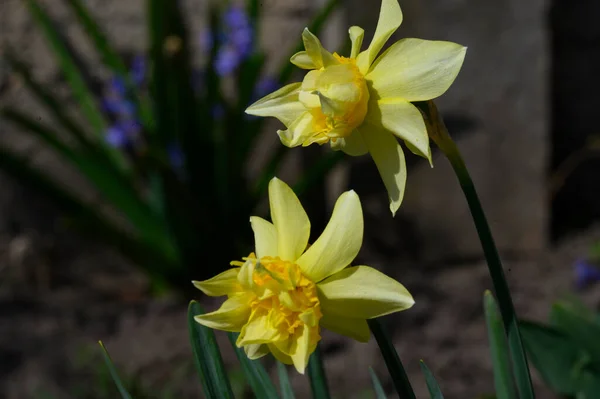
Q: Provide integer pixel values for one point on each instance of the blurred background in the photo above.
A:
(127, 169)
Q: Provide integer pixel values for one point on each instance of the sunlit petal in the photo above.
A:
(290, 220)
(302, 60)
(339, 243)
(390, 18)
(231, 316)
(298, 131)
(349, 326)
(404, 120)
(302, 349)
(357, 35)
(319, 56)
(362, 292)
(256, 351)
(282, 104)
(225, 283)
(390, 162)
(416, 70)
(353, 144)
(257, 331)
(265, 237)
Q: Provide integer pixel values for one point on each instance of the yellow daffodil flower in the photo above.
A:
(358, 104)
(280, 296)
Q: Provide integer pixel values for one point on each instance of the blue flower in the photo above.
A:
(236, 41)
(138, 70)
(586, 273)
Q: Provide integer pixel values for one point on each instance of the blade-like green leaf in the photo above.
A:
(379, 391)
(113, 61)
(556, 357)
(584, 332)
(316, 374)
(284, 382)
(392, 361)
(118, 191)
(207, 357)
(113, 373)
(432, 386)
(503, 380)
(255, 372)
(72, 73)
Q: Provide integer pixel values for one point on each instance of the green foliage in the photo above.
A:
(171, 216)
(566, 351)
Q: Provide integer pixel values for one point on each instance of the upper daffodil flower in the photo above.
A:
(358, 104)
(280, 297)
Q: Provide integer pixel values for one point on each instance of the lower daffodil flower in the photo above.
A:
(362, 103)
(280, 296)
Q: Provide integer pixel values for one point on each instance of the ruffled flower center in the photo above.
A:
(337, 98)
(285, 303)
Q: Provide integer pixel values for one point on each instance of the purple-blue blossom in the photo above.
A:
(586, 273)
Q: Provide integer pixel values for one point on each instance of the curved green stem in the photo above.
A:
(439, 134)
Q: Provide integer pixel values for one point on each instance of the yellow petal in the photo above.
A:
(231, 316)
(298, 131)
(225, 283)
(404, 120)
(245, 274)
(389, 159)
(319, 56)
(416, 151)
(416, 70)
(362, 292)
(339, 243)
(290, 220)
(357, 35)
(279, 355)
(352, 327)
(256, 351)
(257, 331)
(390, 18)
(265, 237)
(353, 144)
(282, 104)
(302, 349)
(302, 60)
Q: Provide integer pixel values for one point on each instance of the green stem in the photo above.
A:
(392, 360)
(439, 134)
(316, 374)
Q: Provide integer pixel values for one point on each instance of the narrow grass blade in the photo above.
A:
(379, 391)
(257, 376)
(435, 391)
(392, 361)
(112, 59)
(117, 190)
(74, 76)
(284, 382)
(503, 380)
(316, 374)
(207, 357)
(113, 373)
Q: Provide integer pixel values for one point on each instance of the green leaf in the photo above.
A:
(207, 357)
(284, 382)
(117, 190)
(434, 389)
(503, 380)
(392, 361)
(316, 374)
(113, 373)
(113, 61)
(379, 392)
(255, 372)
(74, 76)
(584, 332)
(556, 357)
